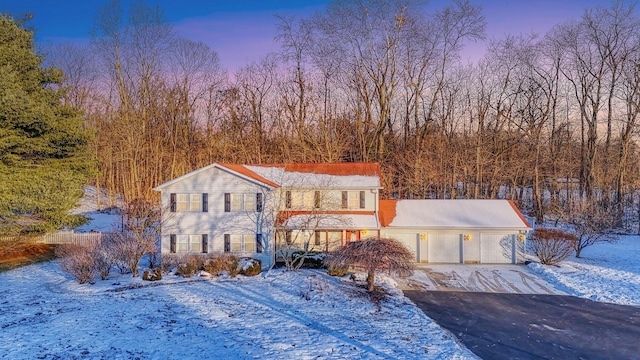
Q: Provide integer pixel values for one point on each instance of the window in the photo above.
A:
(242, 202)
(189, 202)
(241, 243)
(353, 200)
(189, 243)
(236, 243)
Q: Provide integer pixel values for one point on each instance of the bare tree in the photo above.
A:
(376, 254)
(139, 236)
(591, 225)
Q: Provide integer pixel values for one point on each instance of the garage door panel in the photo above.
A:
(496, 248)
(410, 240)
(444, 248)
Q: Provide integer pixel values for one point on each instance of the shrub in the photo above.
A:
(334, 268)
(312, 260)
(373, 254)
(152, 275)
(220, 263)
(189, 265)
(551, 246)
(78, 261)
(250, 267)
(103, 260)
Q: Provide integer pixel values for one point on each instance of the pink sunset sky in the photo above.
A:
(243, 31)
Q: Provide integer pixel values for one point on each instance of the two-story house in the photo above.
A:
(260, 210)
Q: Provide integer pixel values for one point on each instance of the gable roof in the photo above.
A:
(327, 175)
(238, 170)
(453, 214)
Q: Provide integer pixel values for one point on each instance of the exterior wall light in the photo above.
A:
(467, 237)
(423, 236)
(521, 237)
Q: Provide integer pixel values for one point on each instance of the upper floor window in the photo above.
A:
(353, 200)
(242, 202)
(189, 202)
(302, 199)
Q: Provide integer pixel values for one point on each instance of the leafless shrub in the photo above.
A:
(372, 255)
(250, 267)
(188, 265)
(78, 261)
(551, 246)
(103, 260)
(152, 275)
(220, 263)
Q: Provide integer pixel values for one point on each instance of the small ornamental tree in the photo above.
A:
(551, 246)
(373, 254)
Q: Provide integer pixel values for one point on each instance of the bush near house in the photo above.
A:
(79, 261)
(373, 255)
(551, 246)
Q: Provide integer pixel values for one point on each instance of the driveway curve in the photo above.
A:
(526, 326)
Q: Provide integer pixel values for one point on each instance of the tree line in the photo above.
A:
(548, 120)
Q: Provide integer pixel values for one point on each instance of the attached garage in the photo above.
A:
(444, 247)
(457, 231)
(497, 248)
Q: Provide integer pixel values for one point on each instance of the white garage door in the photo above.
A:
(496, 249)
(409, 240)
(444, 248)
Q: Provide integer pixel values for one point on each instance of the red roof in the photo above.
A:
(338, 169)
(248, 173)
(387, 212)
(515, 208)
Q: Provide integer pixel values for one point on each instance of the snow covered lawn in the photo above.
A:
(47, 315)
(606, 272)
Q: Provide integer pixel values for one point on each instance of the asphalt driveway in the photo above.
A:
(526, 326)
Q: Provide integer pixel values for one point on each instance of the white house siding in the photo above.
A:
(215, 222)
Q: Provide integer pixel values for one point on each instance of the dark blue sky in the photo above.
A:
(242, 30)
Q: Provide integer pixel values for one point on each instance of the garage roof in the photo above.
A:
(450, 214)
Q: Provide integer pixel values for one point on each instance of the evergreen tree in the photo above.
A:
(44, 157)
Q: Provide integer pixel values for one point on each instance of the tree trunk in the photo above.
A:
(370, 278)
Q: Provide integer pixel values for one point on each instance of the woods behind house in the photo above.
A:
(549, 120)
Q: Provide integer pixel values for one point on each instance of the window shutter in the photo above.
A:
(205, 243)
(172, 202)
(287, 199)
(227, 202)
(317, 239)
(172, 243)
(361, 199)
(316, 199)
(205, 202)
(227, 242)
(345, 200)
(258, 202)
(287, 237)
(259, 247)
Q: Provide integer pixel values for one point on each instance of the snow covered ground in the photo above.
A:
(47, 315)
(606, 272)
